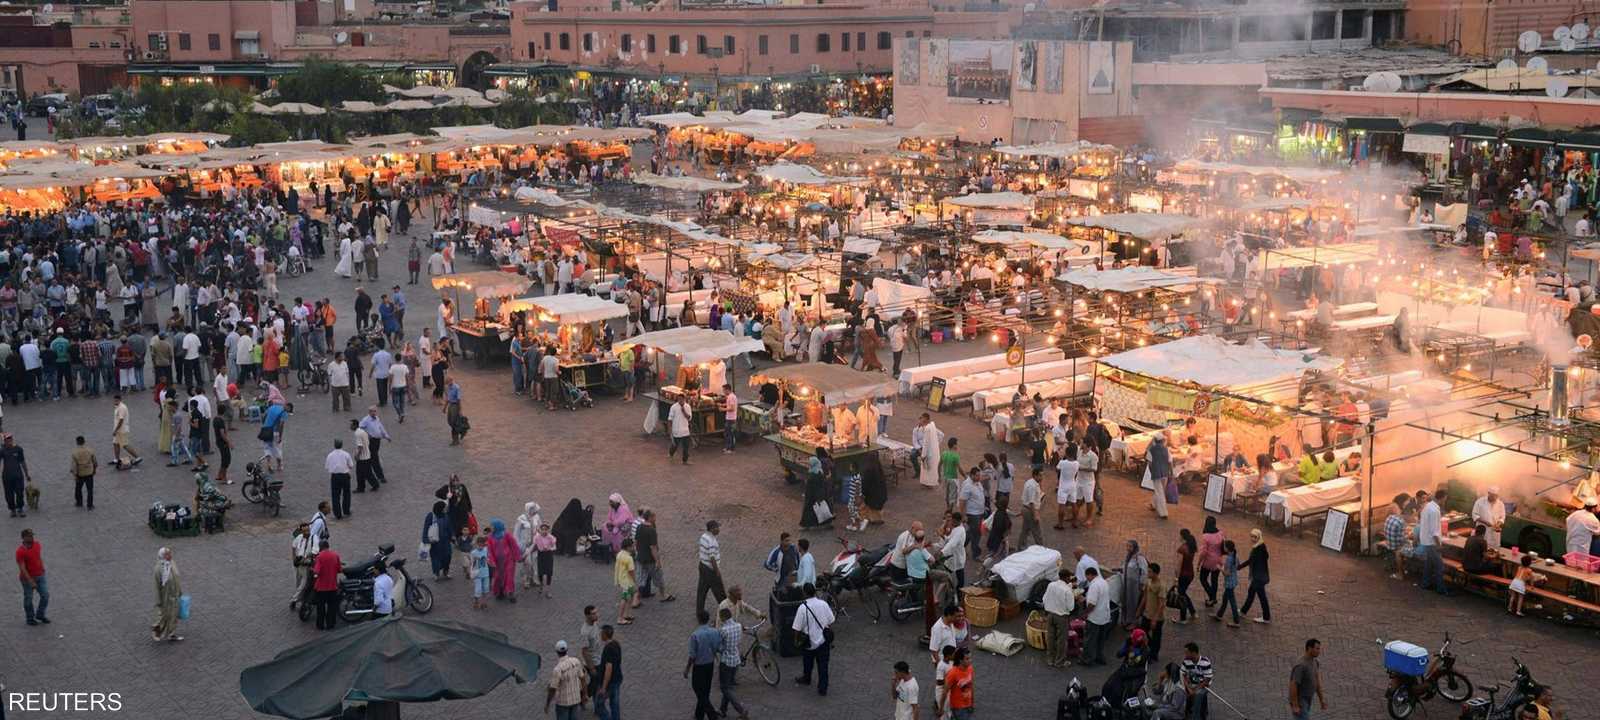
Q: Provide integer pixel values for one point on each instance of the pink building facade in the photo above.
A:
(83, 50)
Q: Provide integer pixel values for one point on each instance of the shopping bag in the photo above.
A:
(422, 551)
(822, 511)
(183, 607)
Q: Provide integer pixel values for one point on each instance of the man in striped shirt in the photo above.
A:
(728, 661)
(1197, 674)
(710, 552)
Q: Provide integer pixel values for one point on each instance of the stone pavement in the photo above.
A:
(100, 565)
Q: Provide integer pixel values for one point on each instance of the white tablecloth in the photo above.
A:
(922, 374)
(1283, 504)
(1365, 323)
(1346, 310)
(1000, 398)
(1009, 378)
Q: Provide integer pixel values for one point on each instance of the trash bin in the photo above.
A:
(782, 611)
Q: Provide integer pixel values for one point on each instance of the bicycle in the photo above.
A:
(759, 655)
(313, 375)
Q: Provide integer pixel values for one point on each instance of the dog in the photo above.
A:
(31, 493)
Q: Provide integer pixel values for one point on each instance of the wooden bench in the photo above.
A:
(1457, 572)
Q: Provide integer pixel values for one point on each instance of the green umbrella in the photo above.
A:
(396, 659)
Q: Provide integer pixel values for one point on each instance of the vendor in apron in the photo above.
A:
(1490, 511)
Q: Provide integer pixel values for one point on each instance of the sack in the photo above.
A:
(433, 533)
(422, 551)
(183, 607)
(1001, 643)
(266, 434)
(822, 511)
(1172, 491)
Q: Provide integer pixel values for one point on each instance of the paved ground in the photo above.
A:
(100, 567)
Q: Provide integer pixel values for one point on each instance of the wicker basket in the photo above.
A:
(1038, 630)
(982, 611)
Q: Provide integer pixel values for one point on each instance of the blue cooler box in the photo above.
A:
(1405, 658)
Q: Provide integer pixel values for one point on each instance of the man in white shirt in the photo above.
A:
(678, 424)
(550, 374)
(710, 555)
(361, 443)
(813, 619)
(1098, 598)
(730, 417)
(1032, 500)
(244, 353)
(1582, 525)
(1058, 604)
(1428, 542)
(897, 345)
(398, 374)
(339, 381)
(1067, 487)
(121, 435)
(906, 693)
(191, 359)
(1490, 511)
(1084, 562)
(383, 593)
(953, 552)
(340, 466)
(1088, 470)
(806, 570)
(903, 544)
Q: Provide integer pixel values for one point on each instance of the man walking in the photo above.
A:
(728, 661)
(813, 622)
(1032, 500)
(678, 419)
(376, 434)
(704, 645)
(325, 571)
(339, 382)
(340, 466)
(382, 361)
(1428, 541)
(958, 687)
(398, 374)
(362, 444)
(1098, 598)
(710, 552)
(30, 571)
(903, 688)
(14, 473)
(650, 574)
(84, 466)
(569, 686)
(607, 697)
(1058, 604)
(589, 647)
(120, 435)
(1305, 681)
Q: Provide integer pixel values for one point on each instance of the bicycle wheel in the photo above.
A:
(766, 664)
(419, 597)
(274, 501)
(306, 377)
(871, 603)
(1454, 686)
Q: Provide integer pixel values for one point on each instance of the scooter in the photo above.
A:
(1522, 691)
(262, 488)
(852, 570)
(355, 588)
(1407, 692)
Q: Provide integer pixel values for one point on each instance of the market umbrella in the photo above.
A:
(396, 659)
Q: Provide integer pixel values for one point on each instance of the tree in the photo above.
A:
(325, 83)
(248, 129)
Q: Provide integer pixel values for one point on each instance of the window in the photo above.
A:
(861, 41)
(1353, 24)
(156, 41)
(249, 46)
(94, 44)
(531, 53)
(627, 42)
(214, 42)
(794, 44)
(183, 41)
(761, 45)
(588, 42)
(824, 42)
(884, 41)
(927, 33)
(116, 43)
(650, 43)
(1323, 24)
(727, 44)
(566, 41)
(547, 45)
(844, 42)
(699, 44)
(911, 33)
(674, 44)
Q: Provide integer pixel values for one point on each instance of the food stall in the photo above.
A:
(692, 362)
(482, 334)
(572, 323)
(826, 406)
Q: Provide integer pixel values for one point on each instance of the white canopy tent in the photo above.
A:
(1150, 226)
(1060, 150)
(694, 344)
(1319, 255)
(894, 298)
(1128, 279)
(569, 309)
(796, 174)
(686, 183)
(1210, 361)
(1297, 174)
(994, 200)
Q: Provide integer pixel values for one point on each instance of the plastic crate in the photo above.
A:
(1581, 561)
(1405, 658)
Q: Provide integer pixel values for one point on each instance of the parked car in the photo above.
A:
(103, 106)
(41, 105)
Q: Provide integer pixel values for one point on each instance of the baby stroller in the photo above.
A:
(573, 397)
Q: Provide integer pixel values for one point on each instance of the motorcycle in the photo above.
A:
(1077, 704)
(852, 570)
(1406, 691)
(260, 487)
(1523, 689)
(355, 588)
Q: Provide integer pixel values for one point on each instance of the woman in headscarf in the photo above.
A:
(504, 555)
(619, 522)
(1134, 571)
(570, 525)
(168, 590)
(458, 503)
(1160, 470)
(818, 478)
(437, 533)
(527, 526)
(1259, 577)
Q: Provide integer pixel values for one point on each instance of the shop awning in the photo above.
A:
(837, 384)
(1473, 131)
(246, 35)
(1530, 137)
(1589, 142)
(1375, 124)
(693, 344)
(1428, 129)
(570, 309)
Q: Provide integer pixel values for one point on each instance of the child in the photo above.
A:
(479, 563)
(545, 544)
(1519, 586)
(1230, 582)
(947, 656)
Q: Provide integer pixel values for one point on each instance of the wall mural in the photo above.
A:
(980, 69)
(1027, 65)
(908, 65)
(1055, 60)
(938, 61)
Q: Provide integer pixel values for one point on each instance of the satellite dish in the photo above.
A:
(1563, 32)
(1580, 31)
(1381, 82)
(1506, 64)
(341, 38)
(1538, 64)
(1529, 41)
(48, 8)
(1568, 44)
(1557, 87)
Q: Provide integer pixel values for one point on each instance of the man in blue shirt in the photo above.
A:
(704, 645)
(398, 300)
(272, 434)
(452, 409)
(376, 434)
(381, 361)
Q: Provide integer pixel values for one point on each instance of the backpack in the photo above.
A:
(774, 559)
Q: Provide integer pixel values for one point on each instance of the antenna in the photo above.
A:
(1539, 65)
(1506, 64)
(1580, 32)
(1568, 44)
(1557, 87)
(1561, 33)
(341, 38)
(1529, 41)
(48, 8)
